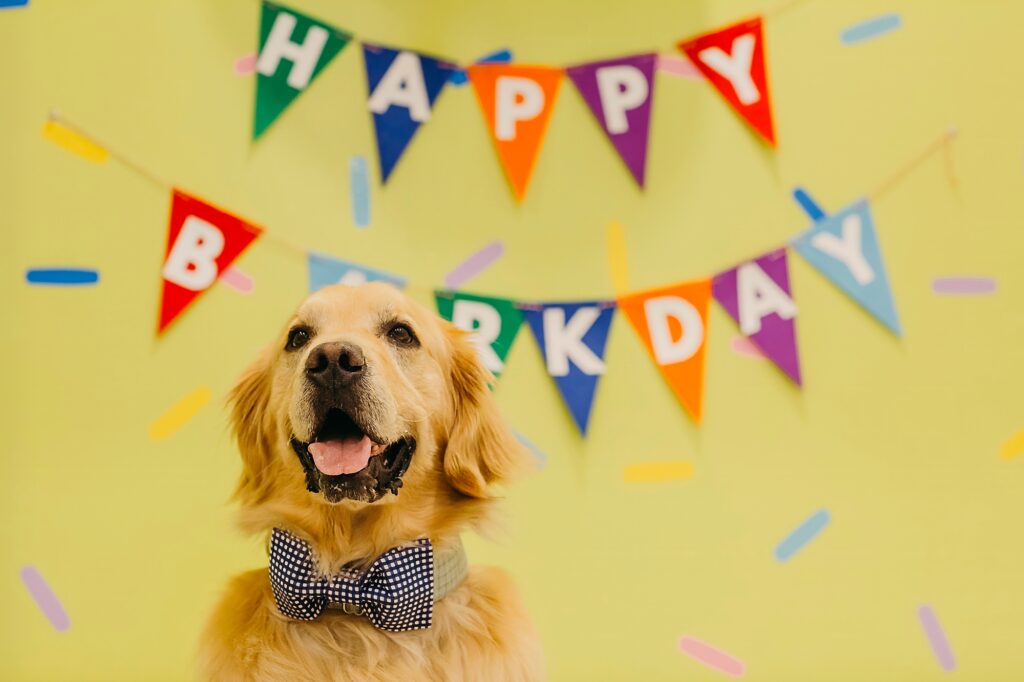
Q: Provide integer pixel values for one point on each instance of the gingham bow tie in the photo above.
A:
(396, 592)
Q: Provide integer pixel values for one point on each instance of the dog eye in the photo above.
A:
(402, 335)
(297, 338)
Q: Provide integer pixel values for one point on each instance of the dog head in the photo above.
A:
(368, 399)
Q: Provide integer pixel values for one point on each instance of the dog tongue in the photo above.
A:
(333, 457)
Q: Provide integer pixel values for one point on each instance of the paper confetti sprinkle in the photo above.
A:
(654, 472)
(246, 66)
(6, 4)
(808, 204)
(871, 28)
(963, 286)
(45, 599)
(62, 277)
(474, 265)
(541, 457)
(679, 67)
(73, 142)
(712, 657)
(179, 413)
(803, 534)
(359, 188)
(459, 76)
(617, 263)
(238, 280)
(936, 637)
(741, 345)
(1014, 447)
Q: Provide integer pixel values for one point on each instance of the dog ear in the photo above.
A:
(481, 448)
(252, 427)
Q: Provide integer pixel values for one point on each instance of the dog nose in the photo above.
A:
(329, 361)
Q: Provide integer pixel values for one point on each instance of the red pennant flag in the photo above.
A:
(732, 58)
(202, 242)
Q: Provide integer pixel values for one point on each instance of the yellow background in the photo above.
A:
(897, 438)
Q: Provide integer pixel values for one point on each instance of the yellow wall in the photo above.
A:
(898, 439)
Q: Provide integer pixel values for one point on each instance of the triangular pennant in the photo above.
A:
(672, 322)
(619, 92)
(327, 270)
(572, 338)
(757, 295)
(294, 49)
(732, 59)
(402, 87)
(493, 323)
(516, 102)
(844, 247)
(202, 242)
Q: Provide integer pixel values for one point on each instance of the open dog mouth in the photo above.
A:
(342, 461)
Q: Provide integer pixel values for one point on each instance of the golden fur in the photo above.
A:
(438, 393)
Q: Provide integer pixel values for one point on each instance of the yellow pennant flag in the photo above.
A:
(73, 142)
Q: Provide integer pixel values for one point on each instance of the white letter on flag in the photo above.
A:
(758, 295)
(621, 88)
(304, 56)
(847, 249)
(515, 99)
(402, 85)
(658, 311)
(192, 261)
(735, 67)
(565, 341)
(484, 324)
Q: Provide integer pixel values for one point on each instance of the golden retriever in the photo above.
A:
(368, 425)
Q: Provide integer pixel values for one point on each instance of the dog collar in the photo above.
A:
(396, 592)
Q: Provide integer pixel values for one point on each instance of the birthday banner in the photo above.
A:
(516, 100)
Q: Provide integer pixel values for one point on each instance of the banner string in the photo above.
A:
(942, 142)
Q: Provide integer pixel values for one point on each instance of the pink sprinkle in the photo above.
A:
(936, 637)
(964, 286)
(741, 345)
(716, 659)
(238, 280)
(45, 599)
(681, 67)
(246, 66)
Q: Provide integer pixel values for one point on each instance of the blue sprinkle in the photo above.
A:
(62, 277)
(359, 187)
(541, 459)
(870, 28)
(803, 534)
(13, 3)
(809, 205)
(503, 56)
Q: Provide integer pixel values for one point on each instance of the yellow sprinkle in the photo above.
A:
(650, 472)
(1013, 447)
(74, 142)
(174, 418)
(617, 257)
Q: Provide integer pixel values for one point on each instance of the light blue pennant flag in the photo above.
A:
(327, 270)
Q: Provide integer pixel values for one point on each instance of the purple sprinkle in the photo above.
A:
(963, 285)
(936, 637)
(45, 598)
(472, 266)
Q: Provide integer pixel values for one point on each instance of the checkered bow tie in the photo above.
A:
(396, 592)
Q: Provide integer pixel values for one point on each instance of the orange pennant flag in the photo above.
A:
(517, 102)
(672, 322)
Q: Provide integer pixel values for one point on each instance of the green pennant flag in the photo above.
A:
(294, 49)
(493, 323)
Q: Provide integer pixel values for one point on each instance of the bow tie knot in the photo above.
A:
(396, 592)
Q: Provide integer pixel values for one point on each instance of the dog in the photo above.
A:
(369, 440)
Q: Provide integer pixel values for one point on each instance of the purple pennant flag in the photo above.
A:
(756, 294)
(619, 93)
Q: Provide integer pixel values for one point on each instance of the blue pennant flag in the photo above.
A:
(572, 337)
(327, 270)
(403, 86)
(844, 248)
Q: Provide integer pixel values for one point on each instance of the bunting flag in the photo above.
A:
(327, 270)
(402, 87)
(619, 93)
(672, 322)
(572, 338)
(844, 248)
(732, 59)
(294, 49)
(756, 294)
(202, 242)
(493, 323)
(516, 102)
